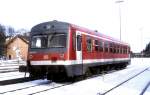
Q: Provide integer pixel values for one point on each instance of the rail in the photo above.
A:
(123, 82)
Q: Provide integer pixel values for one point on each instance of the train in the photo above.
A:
(59, 49)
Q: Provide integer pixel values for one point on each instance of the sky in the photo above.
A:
(101, 15)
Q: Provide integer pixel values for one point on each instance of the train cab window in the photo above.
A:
(96, 45)
(89, 44)
(101, 46)
(39, 41)
(57, 40)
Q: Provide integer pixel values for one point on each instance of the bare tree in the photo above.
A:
(2, 41)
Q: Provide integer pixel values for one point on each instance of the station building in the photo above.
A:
(17, 47)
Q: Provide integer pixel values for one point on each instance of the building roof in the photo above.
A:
(23, 38)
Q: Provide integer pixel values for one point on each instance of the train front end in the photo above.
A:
(48, 52)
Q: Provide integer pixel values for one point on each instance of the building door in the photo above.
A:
(9, 57)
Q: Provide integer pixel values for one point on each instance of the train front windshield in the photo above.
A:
(49, 41)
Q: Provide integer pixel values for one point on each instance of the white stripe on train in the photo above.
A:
(72, 62)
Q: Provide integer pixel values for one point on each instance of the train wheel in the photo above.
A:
(36, 74)
(58, 77)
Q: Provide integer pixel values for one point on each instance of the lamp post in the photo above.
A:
(119, 2)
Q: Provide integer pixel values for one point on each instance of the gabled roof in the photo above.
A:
(23, 38)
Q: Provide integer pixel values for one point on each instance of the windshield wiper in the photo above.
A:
(52, 37)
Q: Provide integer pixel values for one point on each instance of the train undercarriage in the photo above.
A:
(65, 72)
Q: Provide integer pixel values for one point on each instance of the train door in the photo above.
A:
(78, 47)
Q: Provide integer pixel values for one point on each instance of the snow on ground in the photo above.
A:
(148, 91)
(2, 68)
(134, 86)
(15, 61)
(12, 75)
(21, 85)
(99, 85)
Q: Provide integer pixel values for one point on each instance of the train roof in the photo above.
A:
(98, 34)
(64, 25)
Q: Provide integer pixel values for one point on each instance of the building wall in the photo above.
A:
(12, 47)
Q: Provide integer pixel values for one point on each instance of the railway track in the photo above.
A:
(16, 80)
(145, 88)
(18, 74)
(50, 89)
(24, 87)
(127, 80)
(8, 68)
(36, 88)
(47, 86)
(13, 77)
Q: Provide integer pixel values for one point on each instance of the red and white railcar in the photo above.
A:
(64, 49)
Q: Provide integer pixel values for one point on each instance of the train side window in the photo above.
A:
(117, 48)
(111, 47)
(101, 46)
(89, 44)
(124, 50)
(127, 50)
(74, 41)
(120, 50)
(96, 45)
(106, 46)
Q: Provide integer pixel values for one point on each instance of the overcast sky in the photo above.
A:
(101, 15)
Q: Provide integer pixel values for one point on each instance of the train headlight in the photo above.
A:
(45, 57)
(61, 56)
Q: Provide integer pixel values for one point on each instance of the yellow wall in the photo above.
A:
(23, 47)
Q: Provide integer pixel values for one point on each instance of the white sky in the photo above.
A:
(101, 15)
